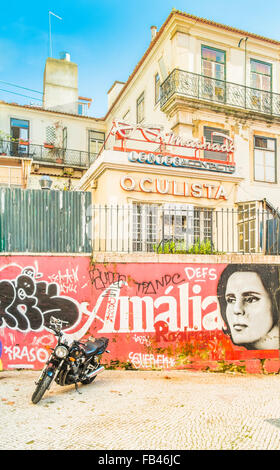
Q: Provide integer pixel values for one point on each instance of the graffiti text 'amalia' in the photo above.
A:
(140, 314)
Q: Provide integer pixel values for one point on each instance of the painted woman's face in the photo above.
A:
(249, 309)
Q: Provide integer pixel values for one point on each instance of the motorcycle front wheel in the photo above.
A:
(41, 388)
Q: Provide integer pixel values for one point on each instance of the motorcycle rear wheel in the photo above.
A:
(41, 388)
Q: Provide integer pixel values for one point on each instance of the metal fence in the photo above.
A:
(47, 154)
(45, 221)
(50, 221)
(185, 229)
(197, 86)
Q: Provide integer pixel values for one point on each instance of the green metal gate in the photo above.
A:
(45, 221)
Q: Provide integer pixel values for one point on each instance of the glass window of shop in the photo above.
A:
(170, 227)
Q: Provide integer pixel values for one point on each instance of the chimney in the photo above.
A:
(114, 92)
(61, 84)
(153, 31)
(64, 55)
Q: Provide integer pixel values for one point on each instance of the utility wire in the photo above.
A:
(18, 86)
(20, 94)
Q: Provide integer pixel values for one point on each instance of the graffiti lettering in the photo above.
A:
(25, 353)
(201, 273)
(101, 280)
(67, 282)
(142, 340)
(147, 361)
(27, 305)
(151, 287)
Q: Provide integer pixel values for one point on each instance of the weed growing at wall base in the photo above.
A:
(180, 247)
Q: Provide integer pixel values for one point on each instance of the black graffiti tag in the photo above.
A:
(28, 305)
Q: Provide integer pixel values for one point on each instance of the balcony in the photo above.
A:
(199, 87)
(47, 154)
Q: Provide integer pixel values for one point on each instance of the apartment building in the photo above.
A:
(189, 144)
(57, 139)
(216, 88)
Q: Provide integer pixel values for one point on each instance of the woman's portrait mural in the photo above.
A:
(249, 303)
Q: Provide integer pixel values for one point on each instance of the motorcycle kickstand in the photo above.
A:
(77, 389)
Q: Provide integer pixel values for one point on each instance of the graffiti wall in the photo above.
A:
(156, 315)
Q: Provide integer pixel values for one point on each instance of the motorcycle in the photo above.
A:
(70, 363)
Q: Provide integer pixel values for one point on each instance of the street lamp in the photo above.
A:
(45, 182)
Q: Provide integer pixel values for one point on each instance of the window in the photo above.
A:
(81, 108)
(261, 82)
(203, 222)
(209, 136)
(261, 75)
(19, 131)
(264, 159)
(157, 88)
(83, 105)
(178, 223)
(126, 116)
(96, 141)
(140, 108)
(145, 227)
(247, 234)
(50, 135)
(213, 66)
(157, 225)
(11, 176)
(64, 138)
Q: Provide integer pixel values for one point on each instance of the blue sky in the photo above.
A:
(106, 38)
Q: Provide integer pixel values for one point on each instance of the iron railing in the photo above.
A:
(190, 230)
(47, 154)
(200, 87)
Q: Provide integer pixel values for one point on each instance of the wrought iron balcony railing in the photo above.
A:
(47, 153)
(200, 87)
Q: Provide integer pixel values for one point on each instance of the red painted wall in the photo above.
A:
(157, 315)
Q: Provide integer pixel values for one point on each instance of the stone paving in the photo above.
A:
(143, 410)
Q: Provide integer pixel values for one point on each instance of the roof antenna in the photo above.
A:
(50, 34)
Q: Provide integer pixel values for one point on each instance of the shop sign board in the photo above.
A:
(173, 187)
(154, 146)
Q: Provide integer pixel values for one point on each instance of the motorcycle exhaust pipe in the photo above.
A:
(95, 372)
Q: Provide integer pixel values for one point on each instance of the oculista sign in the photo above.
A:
(155, 185)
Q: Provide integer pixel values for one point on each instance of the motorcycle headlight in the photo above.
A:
(61, 352)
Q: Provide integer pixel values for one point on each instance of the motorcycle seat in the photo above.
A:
(97, 346)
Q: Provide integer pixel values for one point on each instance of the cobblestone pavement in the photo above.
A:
(148, 410)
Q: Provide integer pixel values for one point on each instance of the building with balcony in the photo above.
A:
(188, 147)
(58, 139)
(215, 91)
